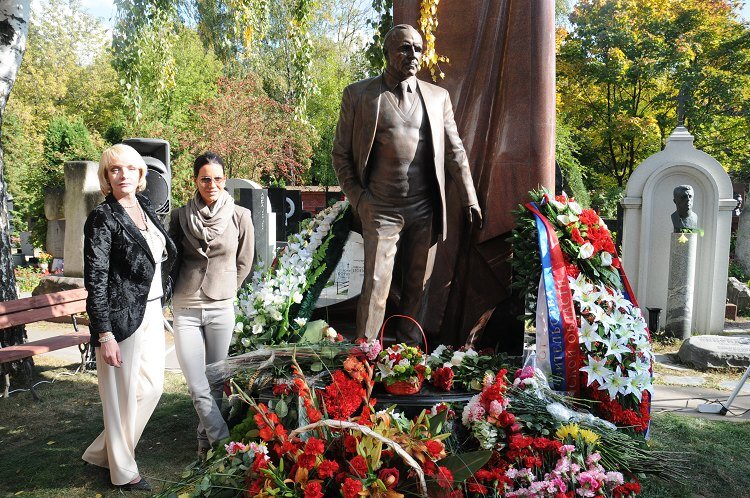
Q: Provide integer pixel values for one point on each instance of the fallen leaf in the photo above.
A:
(49, 443)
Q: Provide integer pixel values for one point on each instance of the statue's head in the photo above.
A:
(683, 199)
(402, 47)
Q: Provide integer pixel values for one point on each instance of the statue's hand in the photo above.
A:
(474, 215)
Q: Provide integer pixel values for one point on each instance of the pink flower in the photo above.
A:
(233, 448)
(496, 408)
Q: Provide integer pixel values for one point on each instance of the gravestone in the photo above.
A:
(714, 351)
(647, 228)
(348, 276)
(264, 222)
(82, 195)
(742, 244)
(54, 211)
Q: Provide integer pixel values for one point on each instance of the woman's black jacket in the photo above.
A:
(118, 267)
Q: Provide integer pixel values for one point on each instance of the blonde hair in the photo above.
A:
(120, 153)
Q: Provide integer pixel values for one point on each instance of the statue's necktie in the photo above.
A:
(403, 98)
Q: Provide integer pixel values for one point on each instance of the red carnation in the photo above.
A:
(442, 378)
(314, 446)
(576, 235)
(306, 461)
(358, 466)
(313, 490)
(327, 468)
(436, 449)
(343, 396)
(444, 477)
(351, 488)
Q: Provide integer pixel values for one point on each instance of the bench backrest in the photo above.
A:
(42, 307)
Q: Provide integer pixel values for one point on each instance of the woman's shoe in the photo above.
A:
(141, 485)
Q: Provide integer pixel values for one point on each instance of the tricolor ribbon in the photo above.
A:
(562, 328)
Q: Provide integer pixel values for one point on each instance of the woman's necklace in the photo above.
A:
(143, 216)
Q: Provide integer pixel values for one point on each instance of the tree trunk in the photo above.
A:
(14, 26)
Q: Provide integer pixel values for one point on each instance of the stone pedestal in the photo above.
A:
(82, 195)
(683, 256)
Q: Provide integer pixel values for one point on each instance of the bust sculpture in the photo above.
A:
(684, 219)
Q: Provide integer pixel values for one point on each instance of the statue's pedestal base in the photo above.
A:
(683, 255)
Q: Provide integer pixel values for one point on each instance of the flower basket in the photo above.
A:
(401, 387)
(412, 385)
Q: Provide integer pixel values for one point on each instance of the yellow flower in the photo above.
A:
(569, 430)
(588, 437)
(682, 239)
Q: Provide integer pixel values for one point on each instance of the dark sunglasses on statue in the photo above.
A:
(207, 180)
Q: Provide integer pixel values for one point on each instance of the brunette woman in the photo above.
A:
(215, 243)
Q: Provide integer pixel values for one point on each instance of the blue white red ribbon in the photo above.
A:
(562, 328)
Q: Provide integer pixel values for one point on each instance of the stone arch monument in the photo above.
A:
(647, 228)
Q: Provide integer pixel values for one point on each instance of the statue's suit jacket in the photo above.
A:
(355, 134)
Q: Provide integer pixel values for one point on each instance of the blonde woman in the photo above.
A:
(215, 242)
(126, 250)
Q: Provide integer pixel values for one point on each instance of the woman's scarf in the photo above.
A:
(206, 223)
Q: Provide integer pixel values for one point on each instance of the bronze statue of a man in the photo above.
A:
(395, 140)
(684, 217)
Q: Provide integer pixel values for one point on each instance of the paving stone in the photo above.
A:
(713, 351)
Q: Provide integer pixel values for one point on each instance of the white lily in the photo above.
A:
(596, 370)
(615, 384)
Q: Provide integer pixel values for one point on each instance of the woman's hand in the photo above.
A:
(111, 353)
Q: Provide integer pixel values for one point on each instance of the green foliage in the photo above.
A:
(736, 271)
(65, 95)
(66, 140)
(565, 155)
(28, 277)
(382, 24)
(620, 70)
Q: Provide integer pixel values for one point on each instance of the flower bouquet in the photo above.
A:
(402, 369)
(275, 306)
(464, 368)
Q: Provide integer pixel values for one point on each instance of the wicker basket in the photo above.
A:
(404, 387)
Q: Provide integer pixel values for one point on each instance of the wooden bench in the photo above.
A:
(40, 308)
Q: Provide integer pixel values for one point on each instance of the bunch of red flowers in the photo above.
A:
(637, 419)
(343, 396)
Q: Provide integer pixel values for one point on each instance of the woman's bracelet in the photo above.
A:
(106, 337)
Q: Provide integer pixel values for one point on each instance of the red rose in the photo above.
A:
(351, 488)
(389, 477)
(442, 378)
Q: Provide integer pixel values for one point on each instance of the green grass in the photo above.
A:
(716, 454)
(41, 443)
